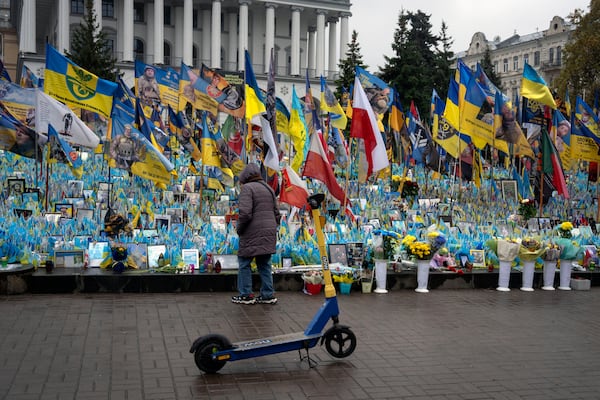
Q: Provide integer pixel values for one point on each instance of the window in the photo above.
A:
(525, 58)
(551, 55)
(536, 58)
(505, 61)
(167, 15)
(77, 7)
(496, 67)
(558, 56)
(515, 63)
(138, 12)
(108, 8)
(138, 49)
(167, 53)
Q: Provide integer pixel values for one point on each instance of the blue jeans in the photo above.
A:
(244, 280)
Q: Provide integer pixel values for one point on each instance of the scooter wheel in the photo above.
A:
(340, 341)
(205, 347)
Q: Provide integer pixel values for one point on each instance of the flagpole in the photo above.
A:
(201, 189)
(47, 180)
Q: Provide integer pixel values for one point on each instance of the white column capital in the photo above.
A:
(344, 14)
(296, 8)
(320, 11)
(245, 2)
(332, 19)
(271, 5)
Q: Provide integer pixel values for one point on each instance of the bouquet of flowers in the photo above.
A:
(564, 230)
(118, 260)
(531, 249)
(346, 277)
(505, 249)
(313, 277)
(527, 209)
(410, 189)
(419, 250)
(551, 251)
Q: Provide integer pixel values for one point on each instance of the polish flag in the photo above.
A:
(293, 191)
(317, 166)
(364, 126)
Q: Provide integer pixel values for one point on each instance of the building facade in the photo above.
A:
(305, 35)
(542, 50)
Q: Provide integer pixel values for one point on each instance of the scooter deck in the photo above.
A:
(273, 340)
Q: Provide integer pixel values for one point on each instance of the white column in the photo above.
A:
(243, 33)
(127, 36)
(215, 45)
(295, 53)
(149, 46)
(62, 40)
(188, 32)
(344, 34)
(333, 59)
(320, 67)
(98, 11)
(269, 33)
(27, 36)
(206, 16)
(159, 32)
(232, 43)
(312, 49)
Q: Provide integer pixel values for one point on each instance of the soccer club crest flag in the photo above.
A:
(71, 84)
(61, 152)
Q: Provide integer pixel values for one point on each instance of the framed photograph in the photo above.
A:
(478, 258)
(544, 224)
(194, 198)
(168, 197)
(338, 254)
(177, 229)
(355, 252)
(509, 190)
(585, 231)
(97, 252)
(65, 210)
(532, 225)
(218, 223)
(52, 217)
(190, 257)
(447, 219)
(23, 212)
(177, 215)
(102, 196)
(15, 186)
(367, 228)
(87, 193)
(84, 213)
(154, 252)
(68, 258)
(286, 263)
(375, 222)
(139, 253)
(74, 188)
(503, 229)
(466, 228)
(228, 261)
(162, 221)
(105, 186)
(179, 197)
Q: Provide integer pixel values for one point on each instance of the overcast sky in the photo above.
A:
(376, 20)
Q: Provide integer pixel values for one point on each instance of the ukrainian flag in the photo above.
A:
(297, 131)
(443, 133)
(535, 88)
(71, 84)
(208, 144)
(476, 116)
(451, 112)
(329, 104)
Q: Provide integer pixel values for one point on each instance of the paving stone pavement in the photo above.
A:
(447, 344)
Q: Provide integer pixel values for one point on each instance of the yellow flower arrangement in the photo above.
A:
(347, 277)
(420, 250)
(564, 229)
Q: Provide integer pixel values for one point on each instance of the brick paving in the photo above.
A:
(447, 344)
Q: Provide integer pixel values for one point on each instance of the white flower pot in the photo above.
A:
(504, 276)
(380, 276)
(549, 273)
(422, 276)
(565, 275)
(527, 276)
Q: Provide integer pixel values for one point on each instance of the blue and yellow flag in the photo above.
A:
(18, 138)
(59, 151)
(560, 134)
(132, 151)
(283, 116)
(28, 78)
(297, 131)
(184, 132)
(584, 141)
(329, 104)
(476, 115)
(4, 73)
(226, 87)
(379, 94)
(208, 145)
(443, 133)
(508, 134)
(71, 84)
(535, 88)
(155, 86)
(451, 111)
(189, 94)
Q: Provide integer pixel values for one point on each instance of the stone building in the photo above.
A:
(542, 50)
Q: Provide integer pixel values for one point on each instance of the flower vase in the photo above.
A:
(504, 276)
(527, 276)
(422, 276)
(565, 274)
(380, 276)
(549, 273)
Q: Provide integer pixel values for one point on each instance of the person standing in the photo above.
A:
(257, 228)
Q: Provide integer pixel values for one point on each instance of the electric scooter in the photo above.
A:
(211, 352)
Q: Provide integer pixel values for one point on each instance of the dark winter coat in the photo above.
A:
(258, 215)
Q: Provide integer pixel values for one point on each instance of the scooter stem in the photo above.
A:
(329, 288)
